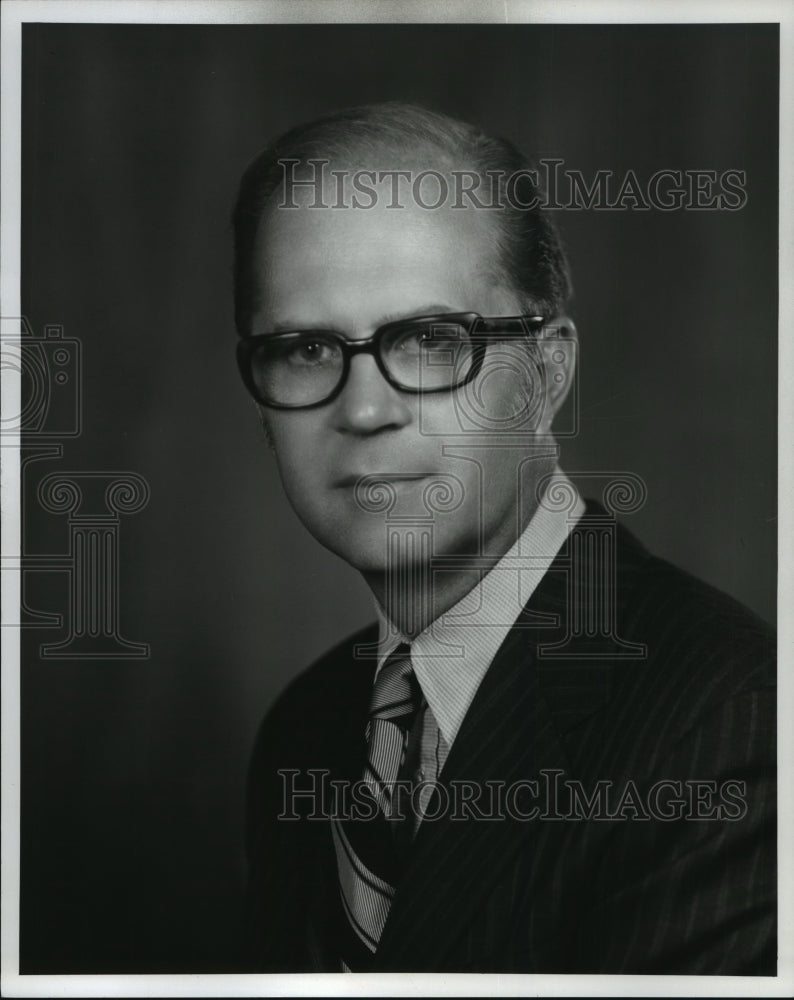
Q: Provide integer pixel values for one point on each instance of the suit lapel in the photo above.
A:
(507, 735)
(514, 729)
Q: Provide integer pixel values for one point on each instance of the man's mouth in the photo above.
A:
(368, 480)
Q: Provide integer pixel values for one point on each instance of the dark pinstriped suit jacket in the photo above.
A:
(626, 895)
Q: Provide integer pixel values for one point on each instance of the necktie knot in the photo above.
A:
(396, 697)
(396, 694)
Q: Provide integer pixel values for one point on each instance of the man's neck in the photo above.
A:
(415, 594)
(411, 604)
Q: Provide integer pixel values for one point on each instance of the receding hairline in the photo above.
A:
(528, 258)
(380, 155)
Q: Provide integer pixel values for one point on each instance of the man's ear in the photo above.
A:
(559, 346)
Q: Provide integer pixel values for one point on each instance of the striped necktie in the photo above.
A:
(365, 852)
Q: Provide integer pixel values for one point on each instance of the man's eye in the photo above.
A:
(426, 340)
(311, 352)
(411, 343)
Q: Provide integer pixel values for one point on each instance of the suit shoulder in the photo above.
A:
(652, 591)
(698, 638)
(329, 674)
(675, 601)
(305, 701)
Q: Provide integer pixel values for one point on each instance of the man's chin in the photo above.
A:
(367, 560)
(370, 552)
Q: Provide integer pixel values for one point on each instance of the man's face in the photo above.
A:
(351, 270)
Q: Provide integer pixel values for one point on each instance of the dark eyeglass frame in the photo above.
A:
(486, 328)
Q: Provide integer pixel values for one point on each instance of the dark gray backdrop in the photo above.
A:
(133, 140)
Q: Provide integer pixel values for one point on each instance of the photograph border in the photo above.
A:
(17, 12)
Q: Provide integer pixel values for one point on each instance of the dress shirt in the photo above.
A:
(452, 655)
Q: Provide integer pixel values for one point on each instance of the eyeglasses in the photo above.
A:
(301, 369)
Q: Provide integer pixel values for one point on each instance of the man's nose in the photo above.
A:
(367, 403)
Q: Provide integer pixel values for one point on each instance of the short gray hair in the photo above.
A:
(531, 257)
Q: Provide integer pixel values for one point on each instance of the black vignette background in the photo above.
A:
(134, 138)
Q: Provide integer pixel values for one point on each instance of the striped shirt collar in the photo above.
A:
(452, 655)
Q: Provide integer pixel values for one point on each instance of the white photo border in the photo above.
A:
(14, 14)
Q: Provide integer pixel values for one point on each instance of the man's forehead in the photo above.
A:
(331, 250)
(376, 226)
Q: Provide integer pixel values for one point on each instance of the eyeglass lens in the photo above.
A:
(299, 369)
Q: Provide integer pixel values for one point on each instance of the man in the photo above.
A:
(555, 752)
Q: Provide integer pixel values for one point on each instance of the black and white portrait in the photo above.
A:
(392, 414)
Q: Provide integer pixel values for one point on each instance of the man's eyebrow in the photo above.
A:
(288, 325)
(432, 310)
(435, 309)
